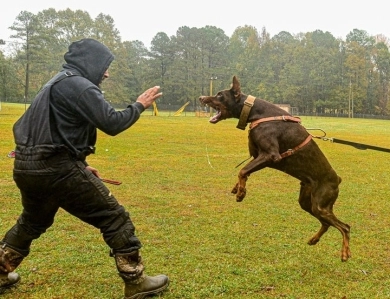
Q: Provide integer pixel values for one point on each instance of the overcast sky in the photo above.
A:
(143, 19)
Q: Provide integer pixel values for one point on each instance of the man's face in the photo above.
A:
(105, 75)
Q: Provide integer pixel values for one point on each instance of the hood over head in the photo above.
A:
(90, 57)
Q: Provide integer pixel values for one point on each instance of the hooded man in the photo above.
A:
(53, 138)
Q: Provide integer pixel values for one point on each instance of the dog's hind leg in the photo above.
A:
(306, 204)
(323, 196)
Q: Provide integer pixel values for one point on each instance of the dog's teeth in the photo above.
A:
(215, 118)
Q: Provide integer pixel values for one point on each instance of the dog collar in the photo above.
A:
(245, 112)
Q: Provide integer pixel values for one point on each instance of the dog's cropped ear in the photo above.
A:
(236, 88)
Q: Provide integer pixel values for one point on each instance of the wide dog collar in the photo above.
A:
(245, 112)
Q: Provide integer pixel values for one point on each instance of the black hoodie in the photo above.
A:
(77, 106)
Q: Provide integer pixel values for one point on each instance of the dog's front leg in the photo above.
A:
(239, 189)
(256, 164)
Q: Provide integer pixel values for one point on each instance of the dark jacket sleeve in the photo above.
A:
(95, 109)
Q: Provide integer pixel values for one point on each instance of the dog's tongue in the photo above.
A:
(215, 118)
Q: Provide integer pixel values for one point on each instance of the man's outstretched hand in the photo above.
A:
(149, 96)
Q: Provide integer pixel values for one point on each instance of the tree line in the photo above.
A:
(314, 71)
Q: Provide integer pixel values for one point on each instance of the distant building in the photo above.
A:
(288, 108)
(285, 107)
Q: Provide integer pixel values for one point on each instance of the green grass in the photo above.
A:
(177, 173)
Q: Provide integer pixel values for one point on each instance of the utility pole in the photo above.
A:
(349, 98)
(2, 43)
(212, 78)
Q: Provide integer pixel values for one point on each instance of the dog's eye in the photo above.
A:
(220, 97)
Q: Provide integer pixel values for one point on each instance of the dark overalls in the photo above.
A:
(51, 177)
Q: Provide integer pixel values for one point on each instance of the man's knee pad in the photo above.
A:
(121, 234)
(18, 239)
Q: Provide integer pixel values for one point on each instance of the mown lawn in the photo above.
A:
(177, 173)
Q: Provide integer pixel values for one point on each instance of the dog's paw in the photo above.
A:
(240, 194)
(345, 254)
(235, 189)
(313, 241)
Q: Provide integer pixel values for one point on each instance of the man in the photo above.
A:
(53, 139)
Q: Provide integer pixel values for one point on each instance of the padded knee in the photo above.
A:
(120, 234)
(19, 240)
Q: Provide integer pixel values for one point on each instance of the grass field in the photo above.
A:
(177, 173)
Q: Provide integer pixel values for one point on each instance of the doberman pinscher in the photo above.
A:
(278, 140)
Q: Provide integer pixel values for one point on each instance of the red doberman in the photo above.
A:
(278, 140)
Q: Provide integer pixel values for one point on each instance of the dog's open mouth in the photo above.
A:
(210, 102)
(216, 118)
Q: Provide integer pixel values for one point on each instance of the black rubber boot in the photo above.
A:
(9, 260)
(137, 284)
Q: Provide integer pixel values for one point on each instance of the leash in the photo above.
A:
(110, 181)
(360, 146)
(207, 149)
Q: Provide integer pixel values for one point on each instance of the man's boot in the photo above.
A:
(9, 260)
(137, 284)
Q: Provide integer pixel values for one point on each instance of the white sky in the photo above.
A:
(143, 19)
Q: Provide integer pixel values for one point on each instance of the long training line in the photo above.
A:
(207, 149)
(208, 155)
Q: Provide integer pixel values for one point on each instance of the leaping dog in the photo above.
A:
(278, 140)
